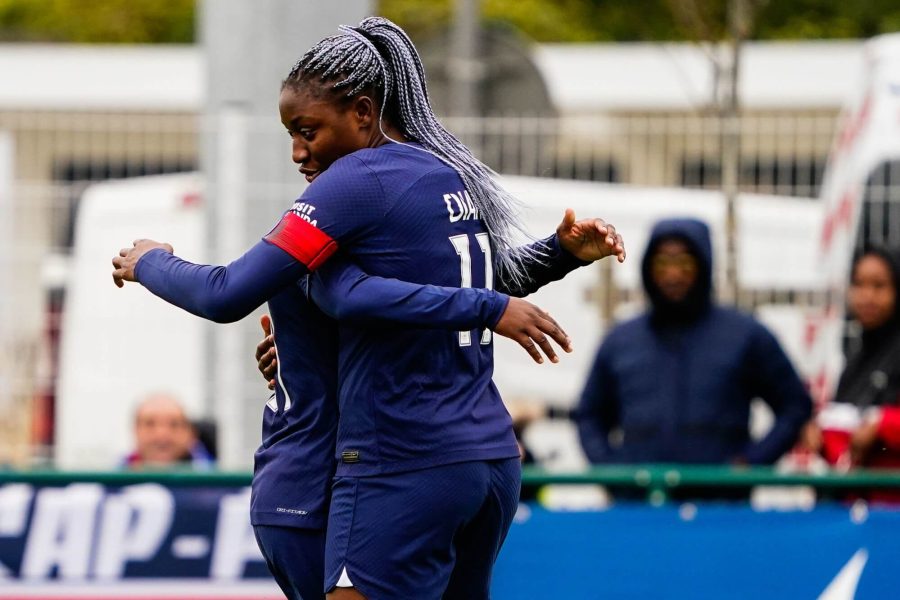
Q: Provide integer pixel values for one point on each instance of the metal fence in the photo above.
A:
(51, 157)
(780, 154)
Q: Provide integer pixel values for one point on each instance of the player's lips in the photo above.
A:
(310, 174)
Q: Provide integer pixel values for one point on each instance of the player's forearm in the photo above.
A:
(222, 294)
(545, 262)
(352, 296)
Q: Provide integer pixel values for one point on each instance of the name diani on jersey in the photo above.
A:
(460, 206)
(304, 210)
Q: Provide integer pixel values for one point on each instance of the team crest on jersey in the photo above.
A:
(304, 210)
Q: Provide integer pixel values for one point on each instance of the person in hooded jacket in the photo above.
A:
(862, 424)
(674, 385)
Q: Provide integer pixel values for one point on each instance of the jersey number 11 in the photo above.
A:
(461, 245)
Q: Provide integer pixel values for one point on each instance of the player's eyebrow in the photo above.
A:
(300, 120)
(296, 122)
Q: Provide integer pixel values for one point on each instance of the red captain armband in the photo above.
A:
(302, 240)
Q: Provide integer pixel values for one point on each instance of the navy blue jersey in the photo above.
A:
(409, 398)
(294, 465)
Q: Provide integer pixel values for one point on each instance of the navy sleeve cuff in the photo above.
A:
(566, 259)
(497, 307)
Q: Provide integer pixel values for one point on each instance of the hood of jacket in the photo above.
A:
(695, 235)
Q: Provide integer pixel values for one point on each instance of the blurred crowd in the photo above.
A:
(675, 384)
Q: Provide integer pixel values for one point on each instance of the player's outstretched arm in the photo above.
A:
(521, 321)
(219, 293)
(345, 292)
(575, 244)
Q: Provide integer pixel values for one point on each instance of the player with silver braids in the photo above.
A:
(377, 58)
(417, 477)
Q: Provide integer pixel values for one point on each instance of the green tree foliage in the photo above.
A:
(801, 19)
(546, 20)
(654, 20)
(172, 21)
(98, 21)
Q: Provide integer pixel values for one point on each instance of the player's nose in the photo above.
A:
(299, 153)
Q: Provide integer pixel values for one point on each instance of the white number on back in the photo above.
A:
(461, 245)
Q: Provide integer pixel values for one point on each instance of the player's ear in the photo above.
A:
(365, 111)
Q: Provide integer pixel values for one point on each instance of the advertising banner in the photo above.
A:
(87, 540)
(149, 540)
(833, 552)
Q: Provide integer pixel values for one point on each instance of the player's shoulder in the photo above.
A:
(380, 176)
(346, 178)
(400, 165)
(411, 154)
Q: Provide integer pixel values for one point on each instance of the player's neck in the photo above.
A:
(387, 134)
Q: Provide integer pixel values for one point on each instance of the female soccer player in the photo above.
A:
(294, 466)
(427, 474)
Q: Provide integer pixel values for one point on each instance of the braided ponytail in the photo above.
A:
(378, 55)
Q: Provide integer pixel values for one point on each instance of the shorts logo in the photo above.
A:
(350, 456)
(293, 511)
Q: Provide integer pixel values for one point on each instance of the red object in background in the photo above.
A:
(191, 200)
(836, 447)
(44, 402)
(838, 421)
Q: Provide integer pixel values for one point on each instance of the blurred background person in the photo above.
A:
(675, 384)
(164, 436)
(861, 427)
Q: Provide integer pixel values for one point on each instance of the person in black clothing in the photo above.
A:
(862, 425)
(872, 374)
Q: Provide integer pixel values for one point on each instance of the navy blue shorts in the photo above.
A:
(422, 533)
(296, 559)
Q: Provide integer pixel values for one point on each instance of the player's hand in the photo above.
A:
(266, 358)
(589, 239)
(125, 262)
(532, 328)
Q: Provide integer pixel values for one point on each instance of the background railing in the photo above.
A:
(658, 481)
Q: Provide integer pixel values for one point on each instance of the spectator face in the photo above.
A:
(162, 432)
(872, 294)
(674, 269)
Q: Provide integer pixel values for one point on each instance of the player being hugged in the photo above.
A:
(427, 474)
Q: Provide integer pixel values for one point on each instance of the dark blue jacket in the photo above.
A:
(678, 381)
